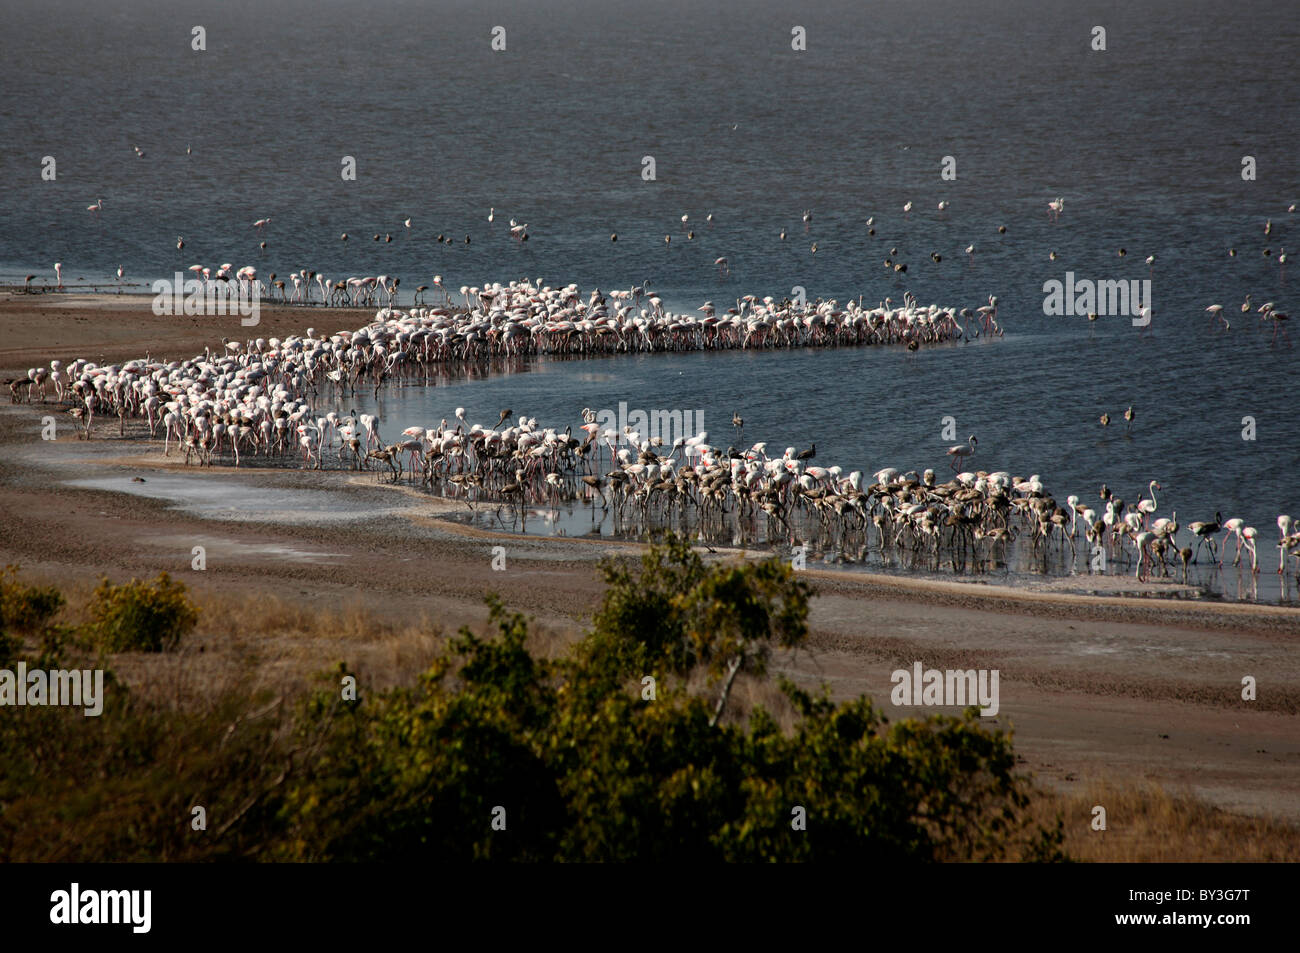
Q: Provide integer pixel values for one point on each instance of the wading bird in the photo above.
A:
(959, 452)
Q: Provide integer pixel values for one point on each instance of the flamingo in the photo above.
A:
(99, 204)
(58, 271)
(1231, 527)
(1147, 507)
(1216, 312)
(1142, 540)
(1270, 313)
(960, 451)
(1204, 531)
(1055, 208)
(1166, 528)
(1248, 535)
(1284, 524)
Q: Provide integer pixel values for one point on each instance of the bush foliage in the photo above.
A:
(585, 766)
(587, 769)
(27, 611)
(140, 617)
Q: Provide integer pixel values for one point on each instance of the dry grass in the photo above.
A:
(249, 642)
(1146, 823)
(265, 642)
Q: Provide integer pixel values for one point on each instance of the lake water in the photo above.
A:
(1144, 141)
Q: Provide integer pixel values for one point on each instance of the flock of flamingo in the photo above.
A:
(254, 400)
(308, 286)
(521, 318)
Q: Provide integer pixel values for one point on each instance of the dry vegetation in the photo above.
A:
(272, 651)
(1145, 823)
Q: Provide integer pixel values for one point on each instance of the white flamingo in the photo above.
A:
(1147, 507)
(959, 452)
(1284, 525)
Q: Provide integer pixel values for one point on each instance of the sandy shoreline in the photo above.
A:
(1109, 688)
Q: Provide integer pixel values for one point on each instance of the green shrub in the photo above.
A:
(121, 787)
(24, 611)
(584, 766)
(588, 770)
(140, 617)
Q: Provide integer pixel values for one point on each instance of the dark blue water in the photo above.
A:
(1144, 141)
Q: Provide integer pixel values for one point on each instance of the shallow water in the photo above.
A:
(855, 426)
(226, 499)
(1015, 565)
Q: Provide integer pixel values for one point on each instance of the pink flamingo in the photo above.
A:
(1248, 535)
(1231, 527)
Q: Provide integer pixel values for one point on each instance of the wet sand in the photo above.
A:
(1097, 688)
